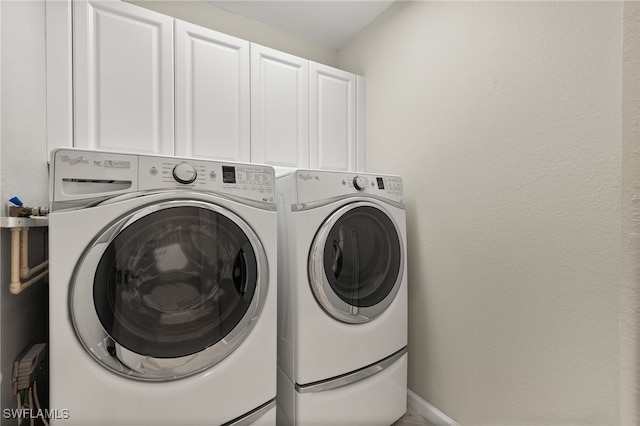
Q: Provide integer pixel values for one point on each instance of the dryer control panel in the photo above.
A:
(315, 185)
(83, 174)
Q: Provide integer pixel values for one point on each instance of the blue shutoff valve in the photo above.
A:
(20, 210)
(17, 201)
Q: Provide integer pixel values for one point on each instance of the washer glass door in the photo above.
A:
(175, 286)
(356, 262)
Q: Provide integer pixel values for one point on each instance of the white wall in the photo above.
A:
(23, 172)
(204, 14)
(505, 120)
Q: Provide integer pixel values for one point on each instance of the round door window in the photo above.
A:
(175, 288)
(356, 263)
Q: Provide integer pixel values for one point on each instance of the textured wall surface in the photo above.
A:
(504, 119)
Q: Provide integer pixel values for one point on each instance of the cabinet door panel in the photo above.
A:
(332, 118)
(123, 65)
(360, 124)
(279, 108)
(212, 94)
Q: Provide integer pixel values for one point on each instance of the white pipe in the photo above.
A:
(37, 268)
(22, 286)
(24, 253)
(15, 256)
(20, 262)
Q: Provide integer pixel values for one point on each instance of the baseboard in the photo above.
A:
(428, 411)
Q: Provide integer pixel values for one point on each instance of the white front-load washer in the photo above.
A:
(162, 290)
(342, 298)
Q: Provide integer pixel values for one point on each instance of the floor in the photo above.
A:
(412, 418)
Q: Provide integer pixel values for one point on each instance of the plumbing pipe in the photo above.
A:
(15, 256)
(24, 253)
(20, 262)
(18, 287)
(25, 272)
(36, 269)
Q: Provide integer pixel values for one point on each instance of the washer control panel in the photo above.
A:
(83, 174)
(185, 173)
(251, 181)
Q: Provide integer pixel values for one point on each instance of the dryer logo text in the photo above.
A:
(308, 176)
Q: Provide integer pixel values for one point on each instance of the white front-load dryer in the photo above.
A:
(162, 290)
(342, 298)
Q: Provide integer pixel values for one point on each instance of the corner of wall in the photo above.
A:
(428, 411)
(630, 287)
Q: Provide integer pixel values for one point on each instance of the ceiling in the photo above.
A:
(330, 23)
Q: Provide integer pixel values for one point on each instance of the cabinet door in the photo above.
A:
(360, 125)
(123, 77)
(332, 118)
(212, 94)
(279, 108)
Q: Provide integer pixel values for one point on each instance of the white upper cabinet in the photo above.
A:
(134, 80)
(212, 94)
(123, 78)
(332, 118)
(279, 108)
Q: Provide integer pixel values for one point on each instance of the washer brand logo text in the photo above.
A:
(74, 160)
(307, 177)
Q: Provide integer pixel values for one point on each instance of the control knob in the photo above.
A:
(185, 173)
(359, 183)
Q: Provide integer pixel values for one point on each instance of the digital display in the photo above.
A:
(228, 174)
(380, 183)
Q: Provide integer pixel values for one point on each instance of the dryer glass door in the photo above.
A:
(174, 289)
(356, 262)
